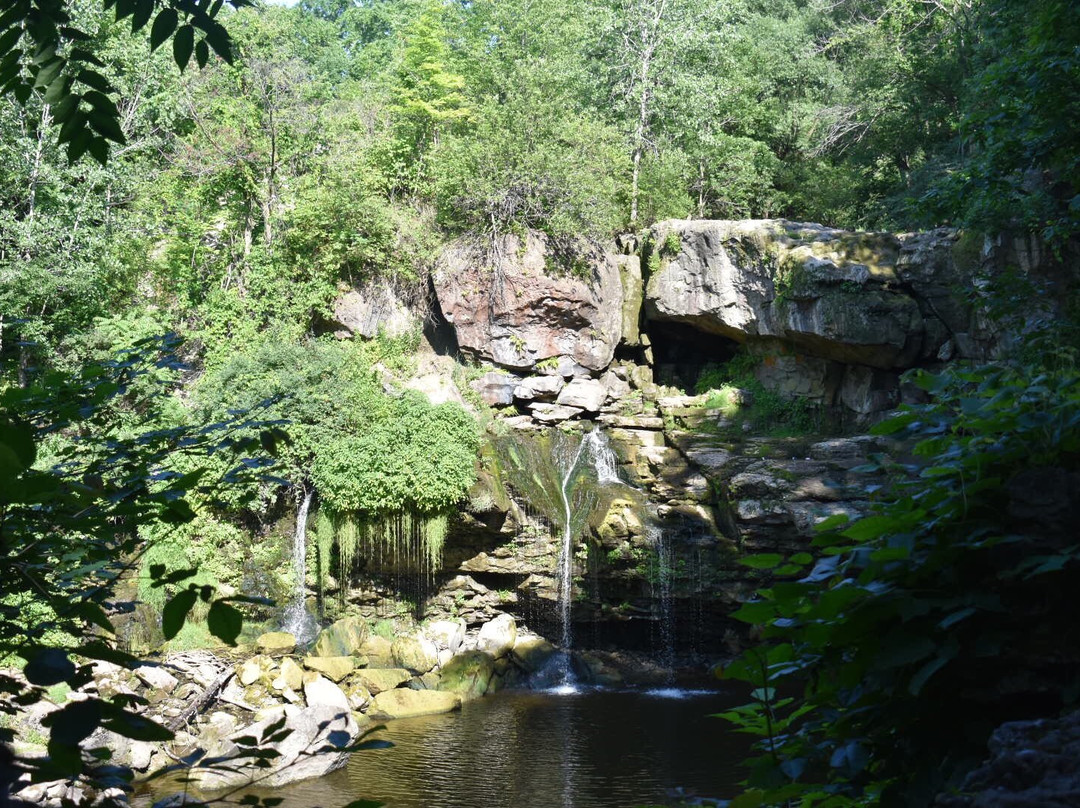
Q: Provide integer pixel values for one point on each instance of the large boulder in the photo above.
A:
(334, 668)
(407, 703)
(417, 654)
(376, 680)
(513, 305)
(448, 635)
(276, 643)
(321, 692)
(587, 394)
(468, 674)
(345, 637)
(309, 729)
(496, 389)
(856, 298)
(497, 636)
(366, 312)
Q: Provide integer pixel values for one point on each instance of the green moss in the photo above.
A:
(967, 251)
(768, 412)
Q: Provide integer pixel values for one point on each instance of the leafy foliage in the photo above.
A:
(45, 52)
(364, 450)
(734, 388)
(76, 483)
(964, 567)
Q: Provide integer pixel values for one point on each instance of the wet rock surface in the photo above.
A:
(1032, 764)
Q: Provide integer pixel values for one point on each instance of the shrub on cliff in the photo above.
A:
(920, 628)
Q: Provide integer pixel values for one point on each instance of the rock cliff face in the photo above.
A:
(826, 315)
(874, 299)
(834, 316)
(514, 306)
(830, 316)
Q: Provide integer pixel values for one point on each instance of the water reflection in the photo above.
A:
(593, 749)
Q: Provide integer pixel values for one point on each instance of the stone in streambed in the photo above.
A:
(379, 651)
(344, 637)
(323, 693)
(334, 668)
(156, 677)
(254, 669)
(276, 643)
(533, 652)
(448, 635)
(497, 636)
(468, 675)
(407, 703)
(313, 727)
(417, 654)
(379, 679)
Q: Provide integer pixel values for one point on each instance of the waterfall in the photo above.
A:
(661, 586)
(298, 621)
(603, 463)
(566, 557)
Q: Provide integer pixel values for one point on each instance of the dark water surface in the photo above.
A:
(534, 749)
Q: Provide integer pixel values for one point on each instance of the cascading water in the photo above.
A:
(605, 464)
(661, 585)
(566, 578)
(603, 461)
(298, 620)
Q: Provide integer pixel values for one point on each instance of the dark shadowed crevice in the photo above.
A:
(681, 352)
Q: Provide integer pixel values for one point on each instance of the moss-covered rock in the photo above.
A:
(377, 680)
(468, 674)
(407, 703)
(417, 654)
(344, 637)
(334, 668)
(276, 643)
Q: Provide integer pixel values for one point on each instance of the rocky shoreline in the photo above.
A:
(307, 708)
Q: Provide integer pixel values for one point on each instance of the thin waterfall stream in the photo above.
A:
(604, 466)
(298, 621)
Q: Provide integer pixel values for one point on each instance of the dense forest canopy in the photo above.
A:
(346, 140)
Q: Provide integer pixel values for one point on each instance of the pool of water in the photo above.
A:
(537, 749)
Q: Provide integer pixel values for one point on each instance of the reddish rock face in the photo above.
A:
(514, 306)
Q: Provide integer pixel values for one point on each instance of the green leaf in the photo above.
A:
(922, 676)
(756, 612)
(833, 522)
(163, 27)
(17, 449)
(99, 150)
(93, 613)
(176, 611)
(761, 561)
(202, 53)
(183, 44)
(224, 622)
(751, 798)
(871, 528)
(218, 40)
(141, 16)
(106, 125)
(891, 426)
(94, 80)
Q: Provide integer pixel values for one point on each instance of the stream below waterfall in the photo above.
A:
(537, 749)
